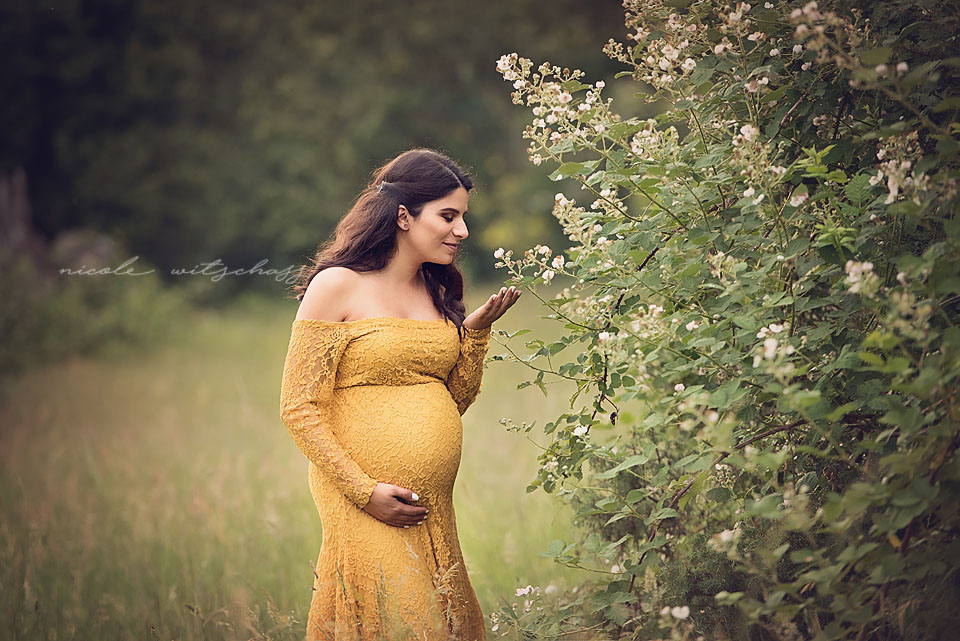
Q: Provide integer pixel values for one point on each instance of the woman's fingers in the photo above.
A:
(409, 515)
(495, 306)
(503, 300)
(413, 513)
(497, 298)
(508, 300)
(408, 521)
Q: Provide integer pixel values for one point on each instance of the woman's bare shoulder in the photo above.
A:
(328, 294)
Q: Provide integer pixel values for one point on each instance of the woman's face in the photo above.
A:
(435, 234)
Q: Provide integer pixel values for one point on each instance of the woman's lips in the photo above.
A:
(451, 246)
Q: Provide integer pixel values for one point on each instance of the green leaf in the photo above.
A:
(727, 394)
(693, 491)
(660, 515)
(718, 494)
(767, 507)
(776, 94)
(633, 461)
(858, 189)
(573, 85)
(837, 175)
(953, 102)
(566, 170)
(874, 57)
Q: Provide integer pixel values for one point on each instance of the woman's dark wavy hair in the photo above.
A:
(366, 237)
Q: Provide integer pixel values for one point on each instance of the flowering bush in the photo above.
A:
(762, 297)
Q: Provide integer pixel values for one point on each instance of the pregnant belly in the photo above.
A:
(407, 435)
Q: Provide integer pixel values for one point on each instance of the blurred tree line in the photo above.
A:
(193, 131)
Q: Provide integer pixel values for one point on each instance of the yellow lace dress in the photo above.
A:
(380, 400)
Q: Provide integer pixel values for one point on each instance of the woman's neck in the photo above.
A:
(402, 274)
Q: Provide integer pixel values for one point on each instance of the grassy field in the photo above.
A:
(158, 496)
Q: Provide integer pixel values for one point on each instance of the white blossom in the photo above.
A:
(770, 348)
(498, 253)
(678, 612)
(860, 276)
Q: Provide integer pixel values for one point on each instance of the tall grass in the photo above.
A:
(159, 496)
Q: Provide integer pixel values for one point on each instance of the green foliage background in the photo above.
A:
(194, 131)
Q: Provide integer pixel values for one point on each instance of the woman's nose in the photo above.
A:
(461, 232)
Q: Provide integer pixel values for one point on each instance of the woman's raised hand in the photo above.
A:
(385, 504)
(493, 309)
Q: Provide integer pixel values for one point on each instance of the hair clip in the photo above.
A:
(380, 187)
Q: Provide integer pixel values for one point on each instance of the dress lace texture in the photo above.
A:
(380, 400)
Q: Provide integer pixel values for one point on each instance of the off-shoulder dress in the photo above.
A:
(380, 400)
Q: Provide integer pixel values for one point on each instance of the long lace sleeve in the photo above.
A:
(306, 393)
(464, 379)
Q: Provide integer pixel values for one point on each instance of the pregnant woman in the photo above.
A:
(382, 363)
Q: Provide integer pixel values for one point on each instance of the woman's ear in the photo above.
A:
(403, 218)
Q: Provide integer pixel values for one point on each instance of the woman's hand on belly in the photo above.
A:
(387, 504)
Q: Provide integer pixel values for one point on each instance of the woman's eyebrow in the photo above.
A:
(452, 210)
